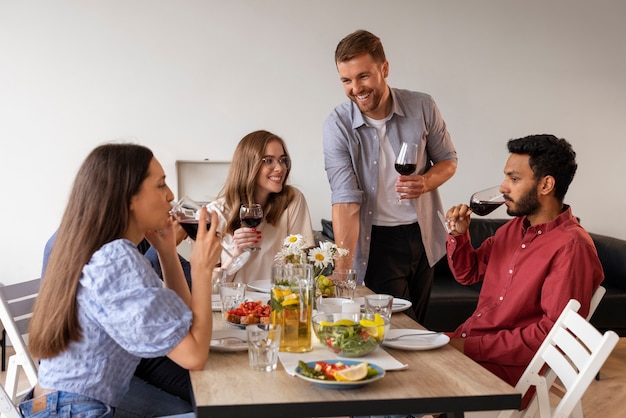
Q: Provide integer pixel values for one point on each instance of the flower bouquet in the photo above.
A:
(322, 258)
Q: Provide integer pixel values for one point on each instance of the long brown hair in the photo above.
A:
(242, 176)
(97, 212)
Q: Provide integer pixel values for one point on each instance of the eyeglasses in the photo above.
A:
(271, 162)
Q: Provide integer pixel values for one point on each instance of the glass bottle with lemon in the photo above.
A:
(292, 305)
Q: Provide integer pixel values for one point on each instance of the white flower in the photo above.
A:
(289, 254)
(320, 257)
(295, 241)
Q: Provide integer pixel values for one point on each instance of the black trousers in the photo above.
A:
(398, 266)
(165, 375)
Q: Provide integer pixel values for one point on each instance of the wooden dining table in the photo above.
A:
(435, 381)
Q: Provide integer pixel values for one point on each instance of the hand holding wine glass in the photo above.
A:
(251, 216)
(481, 203)
(187, 212)
(405, 164)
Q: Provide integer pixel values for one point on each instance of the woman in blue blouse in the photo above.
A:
(102, 307)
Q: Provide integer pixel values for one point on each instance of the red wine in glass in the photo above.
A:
(251, 216)
(405, 169)
(486, 201)
(483, 208)
(251, 221)
(191, 227)
(405, 164)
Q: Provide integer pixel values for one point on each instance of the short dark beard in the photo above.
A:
(527, 204)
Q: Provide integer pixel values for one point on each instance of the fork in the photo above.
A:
(425, 334)
(229, 338)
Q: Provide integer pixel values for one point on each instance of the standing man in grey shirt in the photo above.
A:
(394, 246)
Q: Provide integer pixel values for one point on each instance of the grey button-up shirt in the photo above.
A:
(351, 157)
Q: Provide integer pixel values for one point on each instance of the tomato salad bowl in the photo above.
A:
(350, 335)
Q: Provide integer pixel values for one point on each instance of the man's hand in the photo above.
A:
(411, 187)
(458, 218)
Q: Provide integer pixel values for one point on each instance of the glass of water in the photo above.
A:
(263, 344)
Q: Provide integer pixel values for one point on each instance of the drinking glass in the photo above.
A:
(345, 283)
(187, 212)
(231, 295)
(251, 216)
(263, 343)
(405, 164)
(380, 304)
(486, 201)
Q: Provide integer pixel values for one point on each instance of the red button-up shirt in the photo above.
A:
(529, 274)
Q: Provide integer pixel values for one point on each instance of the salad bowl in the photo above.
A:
(350, 334)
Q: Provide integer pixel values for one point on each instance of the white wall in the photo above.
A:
(190, 78)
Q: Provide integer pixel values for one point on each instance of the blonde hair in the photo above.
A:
(242, 179)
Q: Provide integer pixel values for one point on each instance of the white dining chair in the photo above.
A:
(7, 407)
(573, 351)
(16, 307)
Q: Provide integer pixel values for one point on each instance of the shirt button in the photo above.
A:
(523, 245)
(463, 335)
(369, 213)
(479, 315)
(510, 271)
(501, 297)
(452, 240)
(539, 232)
(375, 162)
(367, 238)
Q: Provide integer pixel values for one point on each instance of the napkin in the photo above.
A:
(379, 357)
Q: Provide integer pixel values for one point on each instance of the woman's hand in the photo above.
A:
(164, 239)
(245, 238)
(206, 250)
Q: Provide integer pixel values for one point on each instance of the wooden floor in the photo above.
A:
(604, 398)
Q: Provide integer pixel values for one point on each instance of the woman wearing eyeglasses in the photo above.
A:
(258, 174)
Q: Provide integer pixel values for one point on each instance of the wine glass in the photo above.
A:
(405, 164)
(486, 201)
(187, 213)
(251, 216)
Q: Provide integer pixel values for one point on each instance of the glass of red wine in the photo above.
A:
(486, 201)
(251, 216)
(187, 212)
(405, 164)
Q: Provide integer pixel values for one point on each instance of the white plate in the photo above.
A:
(415, 342)
(333, 384)
(216, 304)
(261, 285)
(398, 305)
(220, 342)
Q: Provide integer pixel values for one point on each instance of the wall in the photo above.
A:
(190, 78)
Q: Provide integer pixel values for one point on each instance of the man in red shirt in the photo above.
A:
(531, 267)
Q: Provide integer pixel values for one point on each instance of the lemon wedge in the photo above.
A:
(278, 294)
(352, 374)
(347, 322)
(375, 328)
(367, 323)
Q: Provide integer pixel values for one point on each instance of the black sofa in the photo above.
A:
(451, 303)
